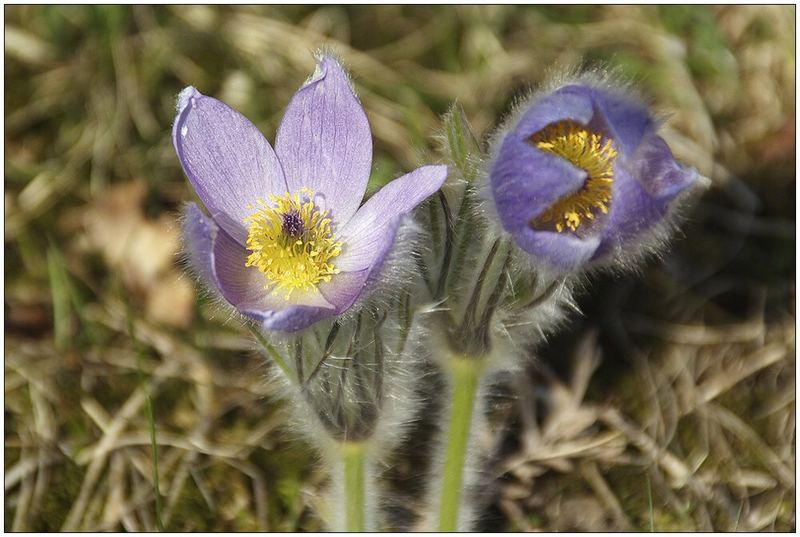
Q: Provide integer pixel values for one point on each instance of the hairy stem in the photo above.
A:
(354, 459)
(465, 373)
(274, 354)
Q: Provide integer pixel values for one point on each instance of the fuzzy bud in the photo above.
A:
(580, 178)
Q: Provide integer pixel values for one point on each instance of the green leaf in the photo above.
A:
(462, 146)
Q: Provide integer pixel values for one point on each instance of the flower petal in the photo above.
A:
(526, 181)
(199, 232)
(567, 103)
(324, 142)
(633, 211)
(227, 160)
(344, 288)
(341, 292)
(627, 119)
(369, 235)
(643, 191)
(289, 320)
(564, 251)
(659, 172)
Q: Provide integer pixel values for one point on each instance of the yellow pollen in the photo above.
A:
(592, 152)
(291, 241)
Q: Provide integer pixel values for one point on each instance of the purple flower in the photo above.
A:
(286, 241)
(582, 177)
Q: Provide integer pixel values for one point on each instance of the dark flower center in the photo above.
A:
(292, 224)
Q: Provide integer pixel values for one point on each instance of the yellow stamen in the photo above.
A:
(592, 152)
(291, 241)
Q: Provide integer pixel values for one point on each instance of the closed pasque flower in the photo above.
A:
(286, 240)
(579, 177)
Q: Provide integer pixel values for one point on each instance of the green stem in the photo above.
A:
(465, 374)
(353, 457)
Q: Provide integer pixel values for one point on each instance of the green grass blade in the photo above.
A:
(59, 288)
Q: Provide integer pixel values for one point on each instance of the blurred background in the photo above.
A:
(667, 405)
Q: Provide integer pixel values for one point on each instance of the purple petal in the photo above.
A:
(369, 235)
(564, 251)
(526, 181)
(344, 288)
(568, 103)
(324, 142)
(633, 211)
(659, 172)
(199, 232)
(642, 192)
(627, 119)
(227, 160)
(288, 320)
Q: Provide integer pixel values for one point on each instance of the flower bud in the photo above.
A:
(580, 178)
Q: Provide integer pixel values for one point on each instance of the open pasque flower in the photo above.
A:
(582, 177)
(286, 241)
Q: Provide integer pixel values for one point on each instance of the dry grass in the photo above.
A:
(668, 405)
(705, 429)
